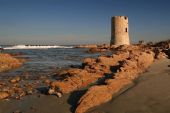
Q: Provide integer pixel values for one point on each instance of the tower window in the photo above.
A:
(125, 29)
(125, 17)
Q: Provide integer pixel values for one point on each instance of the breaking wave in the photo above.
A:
(36, 47)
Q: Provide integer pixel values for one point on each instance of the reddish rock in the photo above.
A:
(8, 62)
(89, 61)
(112, 60)
(97, 95)
(79, 78)
(47, 82)
(1, 84)
(15, 80)
(4, 95)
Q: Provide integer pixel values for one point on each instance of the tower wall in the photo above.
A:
(119, 31)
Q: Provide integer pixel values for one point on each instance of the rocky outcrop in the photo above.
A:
(92, 70)
(8, 62)
(129, 69)
(123, 67)
(130, 62)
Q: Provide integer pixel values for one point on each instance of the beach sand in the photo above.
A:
(39, 103)
(151, 94)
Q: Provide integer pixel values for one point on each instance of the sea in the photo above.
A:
(45, 60)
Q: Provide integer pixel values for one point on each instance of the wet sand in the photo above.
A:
(151, 94)
(40, 103)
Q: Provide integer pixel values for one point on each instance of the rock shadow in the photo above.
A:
(43, 90)
(74, 98)
(114, 69)
(167, 52)
(101, 81)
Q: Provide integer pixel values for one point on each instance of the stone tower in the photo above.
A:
(119, 31)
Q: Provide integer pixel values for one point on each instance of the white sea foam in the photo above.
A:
(36, 47)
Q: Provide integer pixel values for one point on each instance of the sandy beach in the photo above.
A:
(41, 104)
(149, 95)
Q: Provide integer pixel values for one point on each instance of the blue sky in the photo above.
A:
(80, 21)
